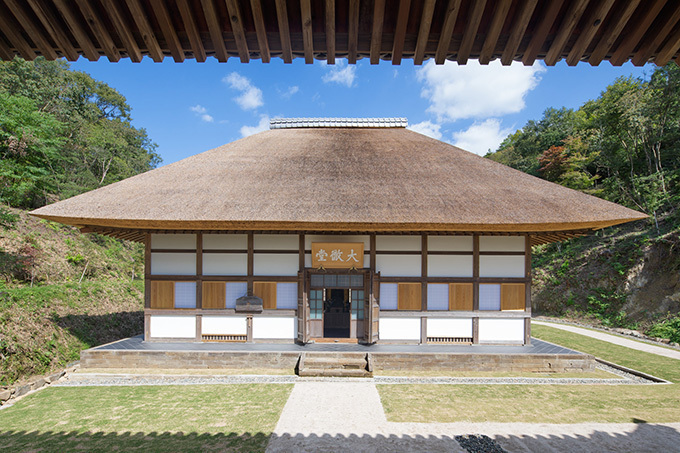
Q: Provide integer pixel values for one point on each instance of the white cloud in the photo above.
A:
(341, 73)
(477, 91)
(481, 137)
(287, 94)
(202, 113)
(427, 128)
(251, 96)
(263, 125)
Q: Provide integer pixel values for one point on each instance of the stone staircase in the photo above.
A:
(335, 364)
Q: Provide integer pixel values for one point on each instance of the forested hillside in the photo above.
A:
(623, 146)
(62, 133)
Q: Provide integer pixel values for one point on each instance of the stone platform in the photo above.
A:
(134, 353)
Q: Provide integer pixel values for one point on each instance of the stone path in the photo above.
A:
(666, 352)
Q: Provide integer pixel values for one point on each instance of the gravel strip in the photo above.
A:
(479, 443)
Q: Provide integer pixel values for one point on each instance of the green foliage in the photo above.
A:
(670, 329)
(7, 218)
(75, 258)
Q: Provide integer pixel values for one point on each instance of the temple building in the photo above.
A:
(345, 230)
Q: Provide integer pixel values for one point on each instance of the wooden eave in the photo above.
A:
(418, 30)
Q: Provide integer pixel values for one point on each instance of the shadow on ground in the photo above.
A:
(95, 330)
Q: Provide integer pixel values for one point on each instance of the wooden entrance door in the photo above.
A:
(303, 309)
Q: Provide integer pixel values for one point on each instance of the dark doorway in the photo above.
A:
(336, 315)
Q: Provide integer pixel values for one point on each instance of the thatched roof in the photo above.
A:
(338, 179)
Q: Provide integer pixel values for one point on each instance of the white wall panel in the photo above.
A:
(449, 243)
(501, 244)
(389, 296)
(272, 264)
(276, 242)
(224, 325)
(225, 242)
(173, 264)
(225, 264)
(449, 266)
(161, 326)
(501, 266)
(399, 328)
(398, 243)
(173, 241)
(398, 265)
(501, 330)
(274, 328)
(457, 328)
(309, 238)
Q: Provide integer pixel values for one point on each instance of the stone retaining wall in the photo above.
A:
(9, 394)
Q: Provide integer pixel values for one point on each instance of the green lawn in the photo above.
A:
(144, 418)
(547, 403)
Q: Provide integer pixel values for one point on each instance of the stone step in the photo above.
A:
(334, 363)
(335, 372)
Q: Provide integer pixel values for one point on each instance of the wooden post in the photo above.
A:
(302, 253)
(475, 272)
(251, 262)
(249, 329)
(147, 271)
(423, 330)
(199, 327)
(199, 272)
(527, 331)
(475, 330)
(371, 244)
(147, 327)
(527, 290)
(423, 272)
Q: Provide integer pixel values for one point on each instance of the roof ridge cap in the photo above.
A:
(293, 123)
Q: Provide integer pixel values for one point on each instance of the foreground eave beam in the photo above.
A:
(30, 27)
(192, 32)
(99, 31)
(442, 51)
(571, 19)
(148, 36)
(618, 22)
(112, 7)
(541, 32)
(307, 35)
(260, 30)
(400, 31)
(522, 18)
(16, 40)
(236, 20)
(500, 14)
(590, 28)
(77, 30)
(215, 30)
(650, 47)
(284, 30)
(376, 32)
(330, 31)
(168, 30)
(471, 28)
(651, 9)
(54, 29)
(353, 31)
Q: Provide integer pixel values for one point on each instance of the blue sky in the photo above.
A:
(191, 107)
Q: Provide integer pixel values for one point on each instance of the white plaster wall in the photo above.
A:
(458, 327)
(398, 243)
(501, 266)
(449, 243)
(501, 330)
(225, 242)
(173, 264)
(449, 266)
(162, 326)
(173, 241)
(399, 328)
(224, 325)
(225, 264)
(501, 244)
(276, 242)
(309, 238)
(276, 265)
(398, 265)
(274, 328)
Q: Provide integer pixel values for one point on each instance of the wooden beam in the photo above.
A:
(5, 53)
(330, 31)
(669, 49)
(450, 17)
(112, 7)
(424, 31)
(494, 31)
(284, 30)
(77, 30)
(634, 33)
(32, 30)
(353, 31)
(522, 18)
(192, 32)
(100, 32)
(236, 20)
(148, 36)
(541, 32)
(648, 48)
(620, 17)
(307, 33)
(215, 30)
(376, 32)
(168, 30)
(15, 39)
(591, 26)
(571, 19)
(400, 31)
(471, 28)
(258, 19)
(54, 29)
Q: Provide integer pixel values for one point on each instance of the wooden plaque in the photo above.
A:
(338, 255)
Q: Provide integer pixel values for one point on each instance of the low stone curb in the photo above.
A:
(9, 395)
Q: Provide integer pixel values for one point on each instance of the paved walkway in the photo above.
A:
(666, 352)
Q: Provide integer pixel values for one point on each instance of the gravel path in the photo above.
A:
(614, 339)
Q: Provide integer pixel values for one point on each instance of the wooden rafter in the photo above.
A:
(451, 15)
(669, 49)
(353, 31)
(376, 32)
(214, 28)
(100, 32)
(307, 36)
(5, 52)
(424, 31)
(148, 36)
(541, 32)
(284, 30)
(471, 28)
(620, 17)
(77, 30)
(236, 20)
(650, 9)
(260, 30)
(54, 29)
(168, 30)
(192, 32)
(590, 27)
(571, 19)
(648, 48)
(330, 31)
(400, 31)
(521, 23)
(15, 39)
(494, 30)
(113, 9)
(33, 31)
